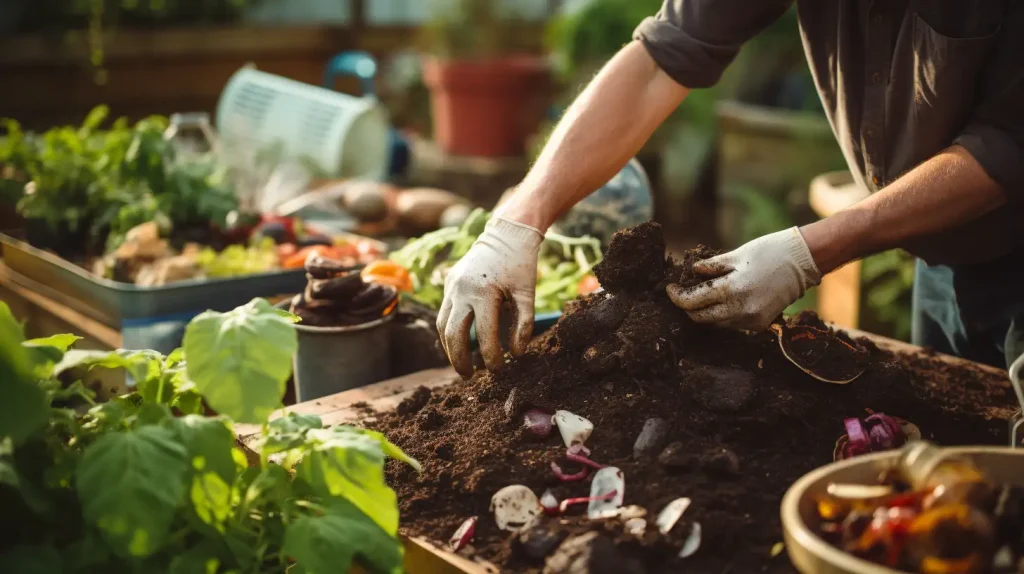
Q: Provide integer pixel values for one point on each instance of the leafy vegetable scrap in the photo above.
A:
(563, 264)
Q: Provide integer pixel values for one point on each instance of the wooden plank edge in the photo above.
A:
(895, 346)
(423, 557)
(88, 326)
(338, 408)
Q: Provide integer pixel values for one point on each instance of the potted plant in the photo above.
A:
(487, 89)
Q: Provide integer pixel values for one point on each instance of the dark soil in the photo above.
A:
(742, 424)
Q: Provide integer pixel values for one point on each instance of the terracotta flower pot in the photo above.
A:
(486, 107)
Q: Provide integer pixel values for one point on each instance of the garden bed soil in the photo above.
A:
(743, 425)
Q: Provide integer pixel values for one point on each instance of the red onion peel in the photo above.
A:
(464, 534)
(579, 453)
(538, 422)
(585, 500)
(564, 477)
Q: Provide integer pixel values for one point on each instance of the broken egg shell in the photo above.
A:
(573, 428)
(670, 515)
(626, 513)
(606, 481)
(514, 507)
(549, 503)
(847, 491)
(464, 534)
(636, 526)
(692, 544)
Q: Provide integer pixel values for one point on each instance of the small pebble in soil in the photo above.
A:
(590, 553)
(674, 456)
(537, 542)
(729, 389)
(652, 437)
(722, 463)
(513, 404)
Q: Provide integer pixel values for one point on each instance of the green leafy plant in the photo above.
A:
(99, 183)
(474, 29)
(888, 281)
(147, 483)
(563, 262)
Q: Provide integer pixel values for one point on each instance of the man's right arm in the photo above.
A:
(688, 43)
(605, 127)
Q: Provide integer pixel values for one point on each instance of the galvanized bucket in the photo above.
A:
(335, 359)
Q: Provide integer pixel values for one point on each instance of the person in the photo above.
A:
(926, 99)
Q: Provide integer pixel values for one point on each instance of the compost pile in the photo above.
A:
(742, 424)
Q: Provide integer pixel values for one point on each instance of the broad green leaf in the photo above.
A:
(188, 401)
(139, 364)
(330, 543)
(47, 352)
(176, 356)
(40, 559)
(32, 494)
(130, 485)
(199, 560)
(152, 414)
(240, 360)
(392, 450)
(23, 407)
(211, 499)
(347, 463)
(271, 484)
(209, 443)
(159, 389)
(289, 432)
(62, 342)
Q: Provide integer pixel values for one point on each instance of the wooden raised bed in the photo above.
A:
(386, 395)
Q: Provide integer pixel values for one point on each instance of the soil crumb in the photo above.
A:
(739, 423)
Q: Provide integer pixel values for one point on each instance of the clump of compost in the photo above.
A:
(717, 416)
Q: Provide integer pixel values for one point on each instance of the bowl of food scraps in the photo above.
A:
(922, 508)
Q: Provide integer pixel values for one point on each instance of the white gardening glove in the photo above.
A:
(752, 285)
(501, 266)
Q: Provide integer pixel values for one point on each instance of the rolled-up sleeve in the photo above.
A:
(693, 41)
(994, 136)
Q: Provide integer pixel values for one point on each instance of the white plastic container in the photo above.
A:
(345, 136)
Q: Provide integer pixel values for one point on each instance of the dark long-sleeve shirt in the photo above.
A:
(900, 80)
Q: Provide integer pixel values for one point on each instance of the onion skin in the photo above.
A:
(558, 472)
(883, 432)
(579, 453)
(464, 534)
(549, 503)
(585, 500)
(537, 422)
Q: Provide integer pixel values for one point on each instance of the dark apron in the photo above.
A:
(994, 337)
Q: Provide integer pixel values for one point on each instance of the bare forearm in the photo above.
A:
(946, 191)
(606, 125)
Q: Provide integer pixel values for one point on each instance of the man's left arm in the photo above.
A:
(982, 170)
(948, 190)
